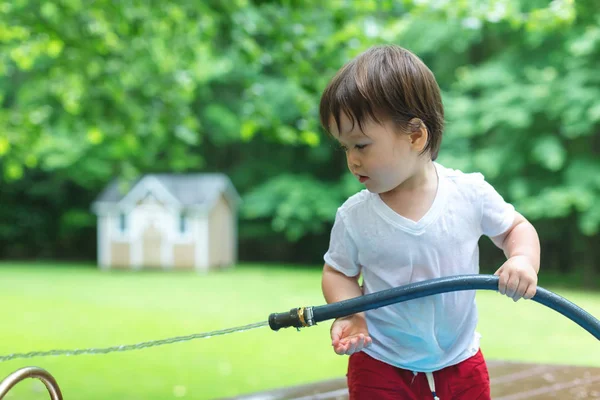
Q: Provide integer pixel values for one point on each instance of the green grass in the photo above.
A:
(48, 306)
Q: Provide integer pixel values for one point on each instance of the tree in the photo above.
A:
(92, 90)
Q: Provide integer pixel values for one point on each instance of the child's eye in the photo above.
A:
(361, 146)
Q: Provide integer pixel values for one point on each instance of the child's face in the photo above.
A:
(381, 157)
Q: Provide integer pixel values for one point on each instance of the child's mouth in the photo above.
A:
(362, 178)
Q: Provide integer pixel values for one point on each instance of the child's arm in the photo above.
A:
(348, 334)
(521, 245)
(337, 286)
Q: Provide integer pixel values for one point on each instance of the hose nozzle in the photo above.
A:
(296, 317)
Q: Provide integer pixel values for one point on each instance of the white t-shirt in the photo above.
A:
(368, 237)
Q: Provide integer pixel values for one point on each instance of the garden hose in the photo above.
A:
(308, 316)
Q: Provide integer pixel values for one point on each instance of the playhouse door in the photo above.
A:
(151, 247)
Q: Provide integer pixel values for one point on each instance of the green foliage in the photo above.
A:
(531, 109)
(98, 89)
(89, 91)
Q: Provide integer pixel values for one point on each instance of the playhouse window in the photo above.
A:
(122, 222)
(182, 223)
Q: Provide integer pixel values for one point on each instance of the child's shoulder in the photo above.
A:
(469, 186)
(462, 179)
(356, 201)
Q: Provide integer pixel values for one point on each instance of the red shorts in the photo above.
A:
(370, 379)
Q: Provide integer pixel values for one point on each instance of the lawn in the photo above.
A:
(47, 306)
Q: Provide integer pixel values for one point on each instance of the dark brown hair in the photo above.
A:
(386, 82)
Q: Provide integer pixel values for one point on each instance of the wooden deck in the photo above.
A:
(510, 381)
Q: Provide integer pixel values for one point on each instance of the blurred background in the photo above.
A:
(93, 92)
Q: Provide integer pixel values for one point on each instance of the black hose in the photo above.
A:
(307, 316)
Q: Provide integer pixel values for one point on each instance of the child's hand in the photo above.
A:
(518, 278)
(350, 334)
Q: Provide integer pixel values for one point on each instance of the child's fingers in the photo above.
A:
(336, 333)
(356, 344)
(512, 285)
(530, 292)
(348, 345)
(362, 342)
(351, 349)
(340, 349)
(352, 345)
(335, 341)
(521, 289)
(503, 281)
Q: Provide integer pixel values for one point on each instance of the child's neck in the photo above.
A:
(414, 197)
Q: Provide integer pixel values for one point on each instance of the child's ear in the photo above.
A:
(418, 133)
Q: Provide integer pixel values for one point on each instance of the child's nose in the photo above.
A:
(353, 159)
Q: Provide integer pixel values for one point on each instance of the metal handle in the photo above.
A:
(31, 372)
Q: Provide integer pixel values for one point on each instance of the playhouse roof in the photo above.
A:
(198, 189)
